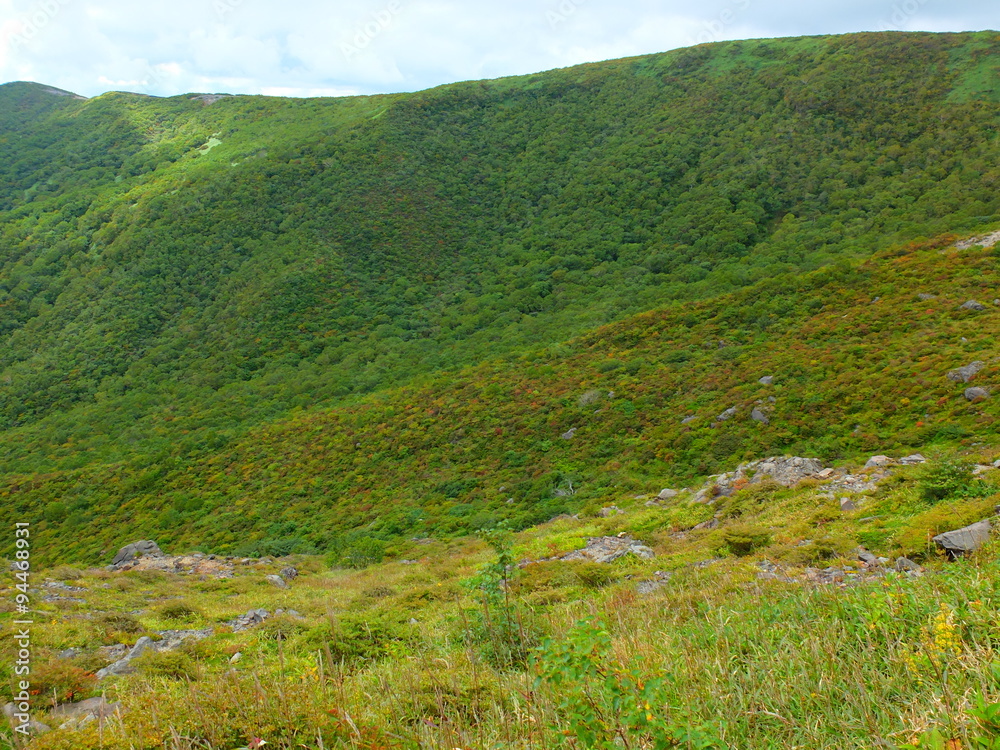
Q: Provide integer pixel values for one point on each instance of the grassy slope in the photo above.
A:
(858, 360)
(157, 297)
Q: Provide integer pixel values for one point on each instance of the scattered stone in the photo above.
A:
(77, 715)
(966, 373)
(825, 474)
(996, 464)
(688, 420)
(652, 504)
(727, 414)
(986, 241)
(568, 435)
(758, 416)
(644, 588)
(847, 505)
(251, 619)
(912, 460)
(976, 394)
(666, 493)
(69, 653)
(867, 557)
(904, 564)
(34, 726)
(605, 549)
(144, 548)
(288, 573)
(925, 297)
(981, 469)
(766, 380)
(277, 581)
(972, 305)
(611, 510)
(878, 462)
(236, 657)
(967, 539)
(711, 523)
(124, 665)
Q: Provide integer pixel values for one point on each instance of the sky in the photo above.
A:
(334, 48)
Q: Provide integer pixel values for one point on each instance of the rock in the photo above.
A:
(666, 493)
(251, 619)
(144, 548)
(727, 414)
(967, 539)
(711, 523)
(76, 715)
(972, 305)
(124, 665)
(277, 581)
(758, 416)
(825, 474)
(652, 504)
(34, 726)
(912, 460)
(877, 462)
(981, 469)
(924, 296)
(288, 573)
(605, 549)
(69, 653)
(976, 394)
(904, 564)
(688, 420)
(766, 380)
(965, 374)
(611, 510)
(568, 435)
(985, 241)
(996, 464)
(787, 471)
(847, 505)
(236, 657)
(866, 557)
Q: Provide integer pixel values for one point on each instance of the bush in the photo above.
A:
(58, 680)
(945, 479)
(743, 539)
(179, 610)
(175, 665)
(110, 623)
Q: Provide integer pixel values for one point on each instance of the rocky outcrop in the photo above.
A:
(251, 619)
(124, 665)
(975, 394)
(967, 539)
(80, 714)
(605, 549)
(966, 373)
(128, 553)
(972, 305)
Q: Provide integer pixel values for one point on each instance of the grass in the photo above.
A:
(392, 655)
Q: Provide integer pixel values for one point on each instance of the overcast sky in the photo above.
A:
(329, 47)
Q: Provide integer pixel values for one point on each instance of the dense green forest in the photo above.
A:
(178, 274)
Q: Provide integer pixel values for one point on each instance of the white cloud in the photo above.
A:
(253, 46)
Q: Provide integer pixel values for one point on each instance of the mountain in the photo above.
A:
(188, 283)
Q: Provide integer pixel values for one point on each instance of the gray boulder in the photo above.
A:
(912, 460)
(766, 380)
(867, 557)
(278, 581)
(144, 548)
(251, 619)
(124, 665)
(288, 573)
(666, 494)
(973, 305)
(727, 414)
(847, 505)
(688, 420)
(877, 462)
(904, 564)
(568, 435)
(924, 297)
(967, 539)
(758, 416)
(976, 394)
(77, 715)
(965, 374)
(605, 549)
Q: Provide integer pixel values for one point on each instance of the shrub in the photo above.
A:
(175, 665)
(945, 479)
(58, 680)
(179, 610)
(743, 539)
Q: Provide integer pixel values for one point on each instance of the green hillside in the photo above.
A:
(174, 272)
(859, 364)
